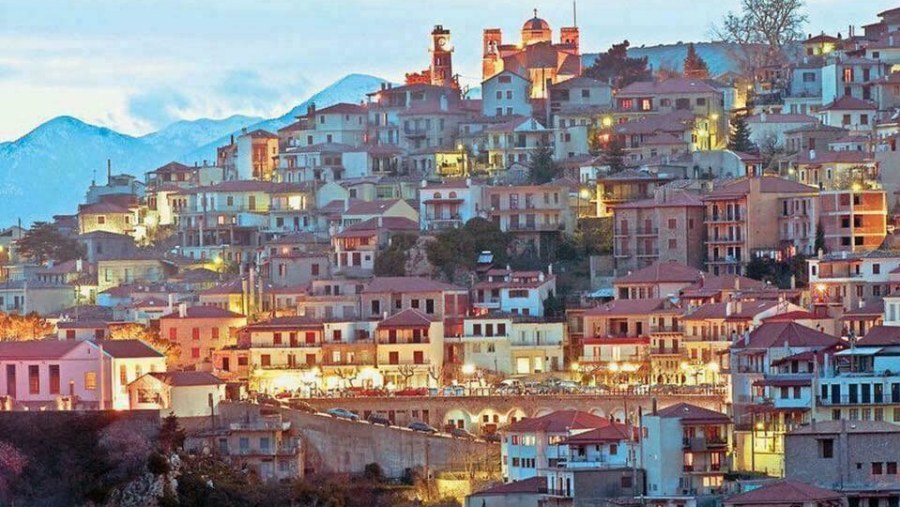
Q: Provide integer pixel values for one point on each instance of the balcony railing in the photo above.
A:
(726, 217)
(872, 399)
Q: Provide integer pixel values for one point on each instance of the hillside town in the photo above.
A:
(592, 284)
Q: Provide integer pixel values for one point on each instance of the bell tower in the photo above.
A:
(441, 57)
(491, 64)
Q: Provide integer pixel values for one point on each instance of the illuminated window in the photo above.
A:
(90, 380)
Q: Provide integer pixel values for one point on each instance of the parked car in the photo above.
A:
(423, 427)
(412, 391)
(492, 437)
(461, 433)
(302, 406)
(453, 391)
(265, 399)
(342, 413)
(379, 419)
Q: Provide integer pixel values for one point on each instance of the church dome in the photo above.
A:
(536, 23)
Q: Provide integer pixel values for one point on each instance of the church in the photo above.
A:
(536, 57)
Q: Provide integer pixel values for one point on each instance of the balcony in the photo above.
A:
(646, 231)
(512, 227)
(725, 239)
(882, 399)
(700, 444)
(725, 217)
(489, 303)
(289, 450)
(712, 468)
(298, 345)
(648, 252)
(667, 351)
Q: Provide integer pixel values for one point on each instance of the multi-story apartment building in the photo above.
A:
(340, 123)
(199, 331)
(668, 227)
(742, 221)
(251, 156)
(410, 346)
(704, 101)
(416, 116)
(536, 215)
(659, 280)
(696, 463)
(387, 295)
(356, 246)
(849, 113)
(510, 345)
(515, 292)
(754, 358)
(850, 280)
(853, 220)
(626, 186)
(837, 170)
(849, 76)
(535, 444)
(506, 94)
(515, 141)
(449, 205)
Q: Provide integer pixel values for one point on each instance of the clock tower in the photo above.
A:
(441, 57)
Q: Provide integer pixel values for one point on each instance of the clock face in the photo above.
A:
(442, 42)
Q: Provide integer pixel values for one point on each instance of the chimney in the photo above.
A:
(762, 117)
(311, 109)
(171, 306)
(383, 315)
(244, 130)
(232, 139)
(380, 221)
(550, 268)
(79, 265)
(108, 171)
(793, 282)
(746, 338)
(728, 309)
(737, 282)
(653, 406)
(182, 310)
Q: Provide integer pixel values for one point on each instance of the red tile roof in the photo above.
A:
(101, 207)
(782, 118)
(692, 414)
(204, 312)
(406, 318)
(784, 492)
(669, 86)
(626, 307)
(37, 349)
(663, 139)
(187, 378)
(371, 226)
(767, 185)
(837, 157)
(342, 108)
(128, 349)
(777, 334)
(261, 134)
(383, 284)
(850, 103)
(661, 272)
(377, 207)
(560, 421)
(531, 485)
(676, 199)
(791, 316)
(880, 336)
(747, 311)
(172, 167)
(615, 432)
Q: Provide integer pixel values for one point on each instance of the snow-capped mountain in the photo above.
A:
(48, 170)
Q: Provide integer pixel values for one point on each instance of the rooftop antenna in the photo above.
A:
(574, 14)
(108, 171)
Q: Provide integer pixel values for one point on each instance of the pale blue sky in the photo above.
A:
(136, 65)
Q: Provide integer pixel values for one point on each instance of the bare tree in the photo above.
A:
(762, 29)
(438, 373)
(348, 375)
(406, 371)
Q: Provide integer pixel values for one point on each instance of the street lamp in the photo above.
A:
(468, 370)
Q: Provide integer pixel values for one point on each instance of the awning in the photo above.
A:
(859, 351)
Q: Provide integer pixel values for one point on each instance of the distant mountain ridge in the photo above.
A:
(48, 170)
(719, 56)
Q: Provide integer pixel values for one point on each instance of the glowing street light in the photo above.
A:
(468, 369)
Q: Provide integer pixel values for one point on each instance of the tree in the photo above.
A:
(614, 155)
(694, 66)
(407, 371)
(171, 434)
(762, 28)
(617, 69)
(391, 261)
(543, 168)
(739, 138)
(43, 242)
(819, 245)
(148, 335)
(15, 327)
(12, 464)
(457, 249)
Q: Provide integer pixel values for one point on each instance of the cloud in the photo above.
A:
(157, 108)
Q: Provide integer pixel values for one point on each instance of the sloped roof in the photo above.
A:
(204, 312)
(675, 199)
(172, 167)
(530, 485)
(381, 284)
(560, 421)
(615, 432)
(850, 103)
(661, 272)
(377, 207)
(187, 378)
(776, 334)
(747, 311)
(127, 349)
(101, 207)
(781, 118)
(784, 492)
(767, 185)
(37, 349)
(878, 336)
(406, 318)
(668, 86)
(626, 307)
(693, 414)
(837, 157)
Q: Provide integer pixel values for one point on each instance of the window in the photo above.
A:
(876, 269)
(673, 244)
(215, 333)
(34, 379)
(646, 104)
(892, 468)
(863, 119)
(276, 338)
(101, 220)
(195, 333)
(701, 101)
(826, 448)
(195, 353)
(877, 468)
(627, 482)
(585, 93)
(90, 380)
(673, 223)
(54, 379)
(123, 374)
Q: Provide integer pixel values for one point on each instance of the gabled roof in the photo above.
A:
(377, 207)
(560, 421)
(342, 108)
(747, 311)
(692, 414)
(777, 334)
(837, 157)
(784, 492)
(781, 118)
(850, 103)
(382, 284)
(661, 272)
(101, 207)
(260, 134)
(406, 318)
(669, 86)
(615, 432)
(187, 378)
(37, 349)
(172, 167)
(675, 199)
(128, 349)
